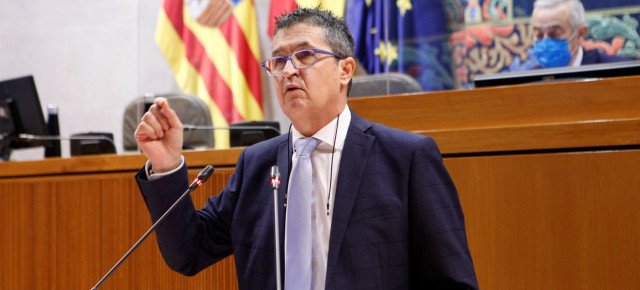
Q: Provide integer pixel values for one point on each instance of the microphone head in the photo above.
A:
(205, 173)
(275, 172)
(275, 177)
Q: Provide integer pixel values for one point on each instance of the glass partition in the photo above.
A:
(444, 44)
(495, 36)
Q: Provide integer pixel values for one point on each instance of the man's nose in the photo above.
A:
(289, 68)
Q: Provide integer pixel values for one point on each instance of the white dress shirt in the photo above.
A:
(578, 61)
(322, 171)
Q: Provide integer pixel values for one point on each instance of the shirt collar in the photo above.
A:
(327, 133)
(578, 61)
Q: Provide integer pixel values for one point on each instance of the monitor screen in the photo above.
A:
(7, 126)
(592, 71)
(20, 98)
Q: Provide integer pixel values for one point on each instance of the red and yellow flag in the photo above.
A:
(212, 47)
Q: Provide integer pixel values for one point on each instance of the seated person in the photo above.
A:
(559, 28)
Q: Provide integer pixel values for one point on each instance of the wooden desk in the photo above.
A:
(66, 222)
(547, 176)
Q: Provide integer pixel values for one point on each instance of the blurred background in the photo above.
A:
(92, 58)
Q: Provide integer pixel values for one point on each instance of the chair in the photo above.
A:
(190, 109)
(383, 84)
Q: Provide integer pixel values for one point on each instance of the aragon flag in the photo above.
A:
(212, 47)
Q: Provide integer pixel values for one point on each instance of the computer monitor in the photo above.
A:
(21, 114)
(7, 125)
(592, 71)
(247, 133)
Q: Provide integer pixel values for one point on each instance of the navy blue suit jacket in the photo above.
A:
(397, 221)
(594, 56)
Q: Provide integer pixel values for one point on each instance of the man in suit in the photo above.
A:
(559, 28)
(382, 211)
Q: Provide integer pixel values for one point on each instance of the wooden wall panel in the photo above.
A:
(552, 221)
(495, 107)
(540, 221)
(67, 232)
(523, 117)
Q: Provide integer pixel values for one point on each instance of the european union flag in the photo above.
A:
(408, 35)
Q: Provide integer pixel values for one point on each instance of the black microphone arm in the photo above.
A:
(30, 137)
(202, 177)
(196, 127)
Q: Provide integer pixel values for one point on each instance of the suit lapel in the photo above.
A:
(354, 160)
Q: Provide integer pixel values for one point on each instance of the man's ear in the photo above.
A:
(348, 66)
(582, 32)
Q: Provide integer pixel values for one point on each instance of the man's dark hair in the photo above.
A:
(335, 31)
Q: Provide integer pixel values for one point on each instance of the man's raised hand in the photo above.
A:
(159, 135)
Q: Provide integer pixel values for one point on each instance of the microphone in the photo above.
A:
(29, 137)
(188, 127)
(81, 144)
(202, 177)
(275, 177)
(275, 183)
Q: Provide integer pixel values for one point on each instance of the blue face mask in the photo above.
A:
(552, 52)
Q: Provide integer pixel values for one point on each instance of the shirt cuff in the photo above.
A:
(155, 175)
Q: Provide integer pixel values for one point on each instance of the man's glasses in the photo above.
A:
(303, 58)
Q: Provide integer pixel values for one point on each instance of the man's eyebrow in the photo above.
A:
(549, 30)
(301, 44)
(556, 26)
(540, 27)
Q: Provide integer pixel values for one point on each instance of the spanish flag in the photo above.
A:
(212, 47)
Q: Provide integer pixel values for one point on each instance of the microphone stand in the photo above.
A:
(202, 177)
(5, 146)
(275, 183)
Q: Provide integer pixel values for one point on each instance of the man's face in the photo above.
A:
(555, 23)
(313, 96)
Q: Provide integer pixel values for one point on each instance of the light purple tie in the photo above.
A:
(298, 238)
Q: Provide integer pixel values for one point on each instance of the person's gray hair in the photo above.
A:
(575, 7)
(335, 31)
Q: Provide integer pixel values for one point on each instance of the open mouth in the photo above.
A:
(291, 87)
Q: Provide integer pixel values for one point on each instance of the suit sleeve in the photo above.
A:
(437, 231)
(190, 240)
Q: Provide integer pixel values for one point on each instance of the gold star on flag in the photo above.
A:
(388, 52)
(404, 5)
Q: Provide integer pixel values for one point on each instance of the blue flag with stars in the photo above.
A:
(407, 36)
